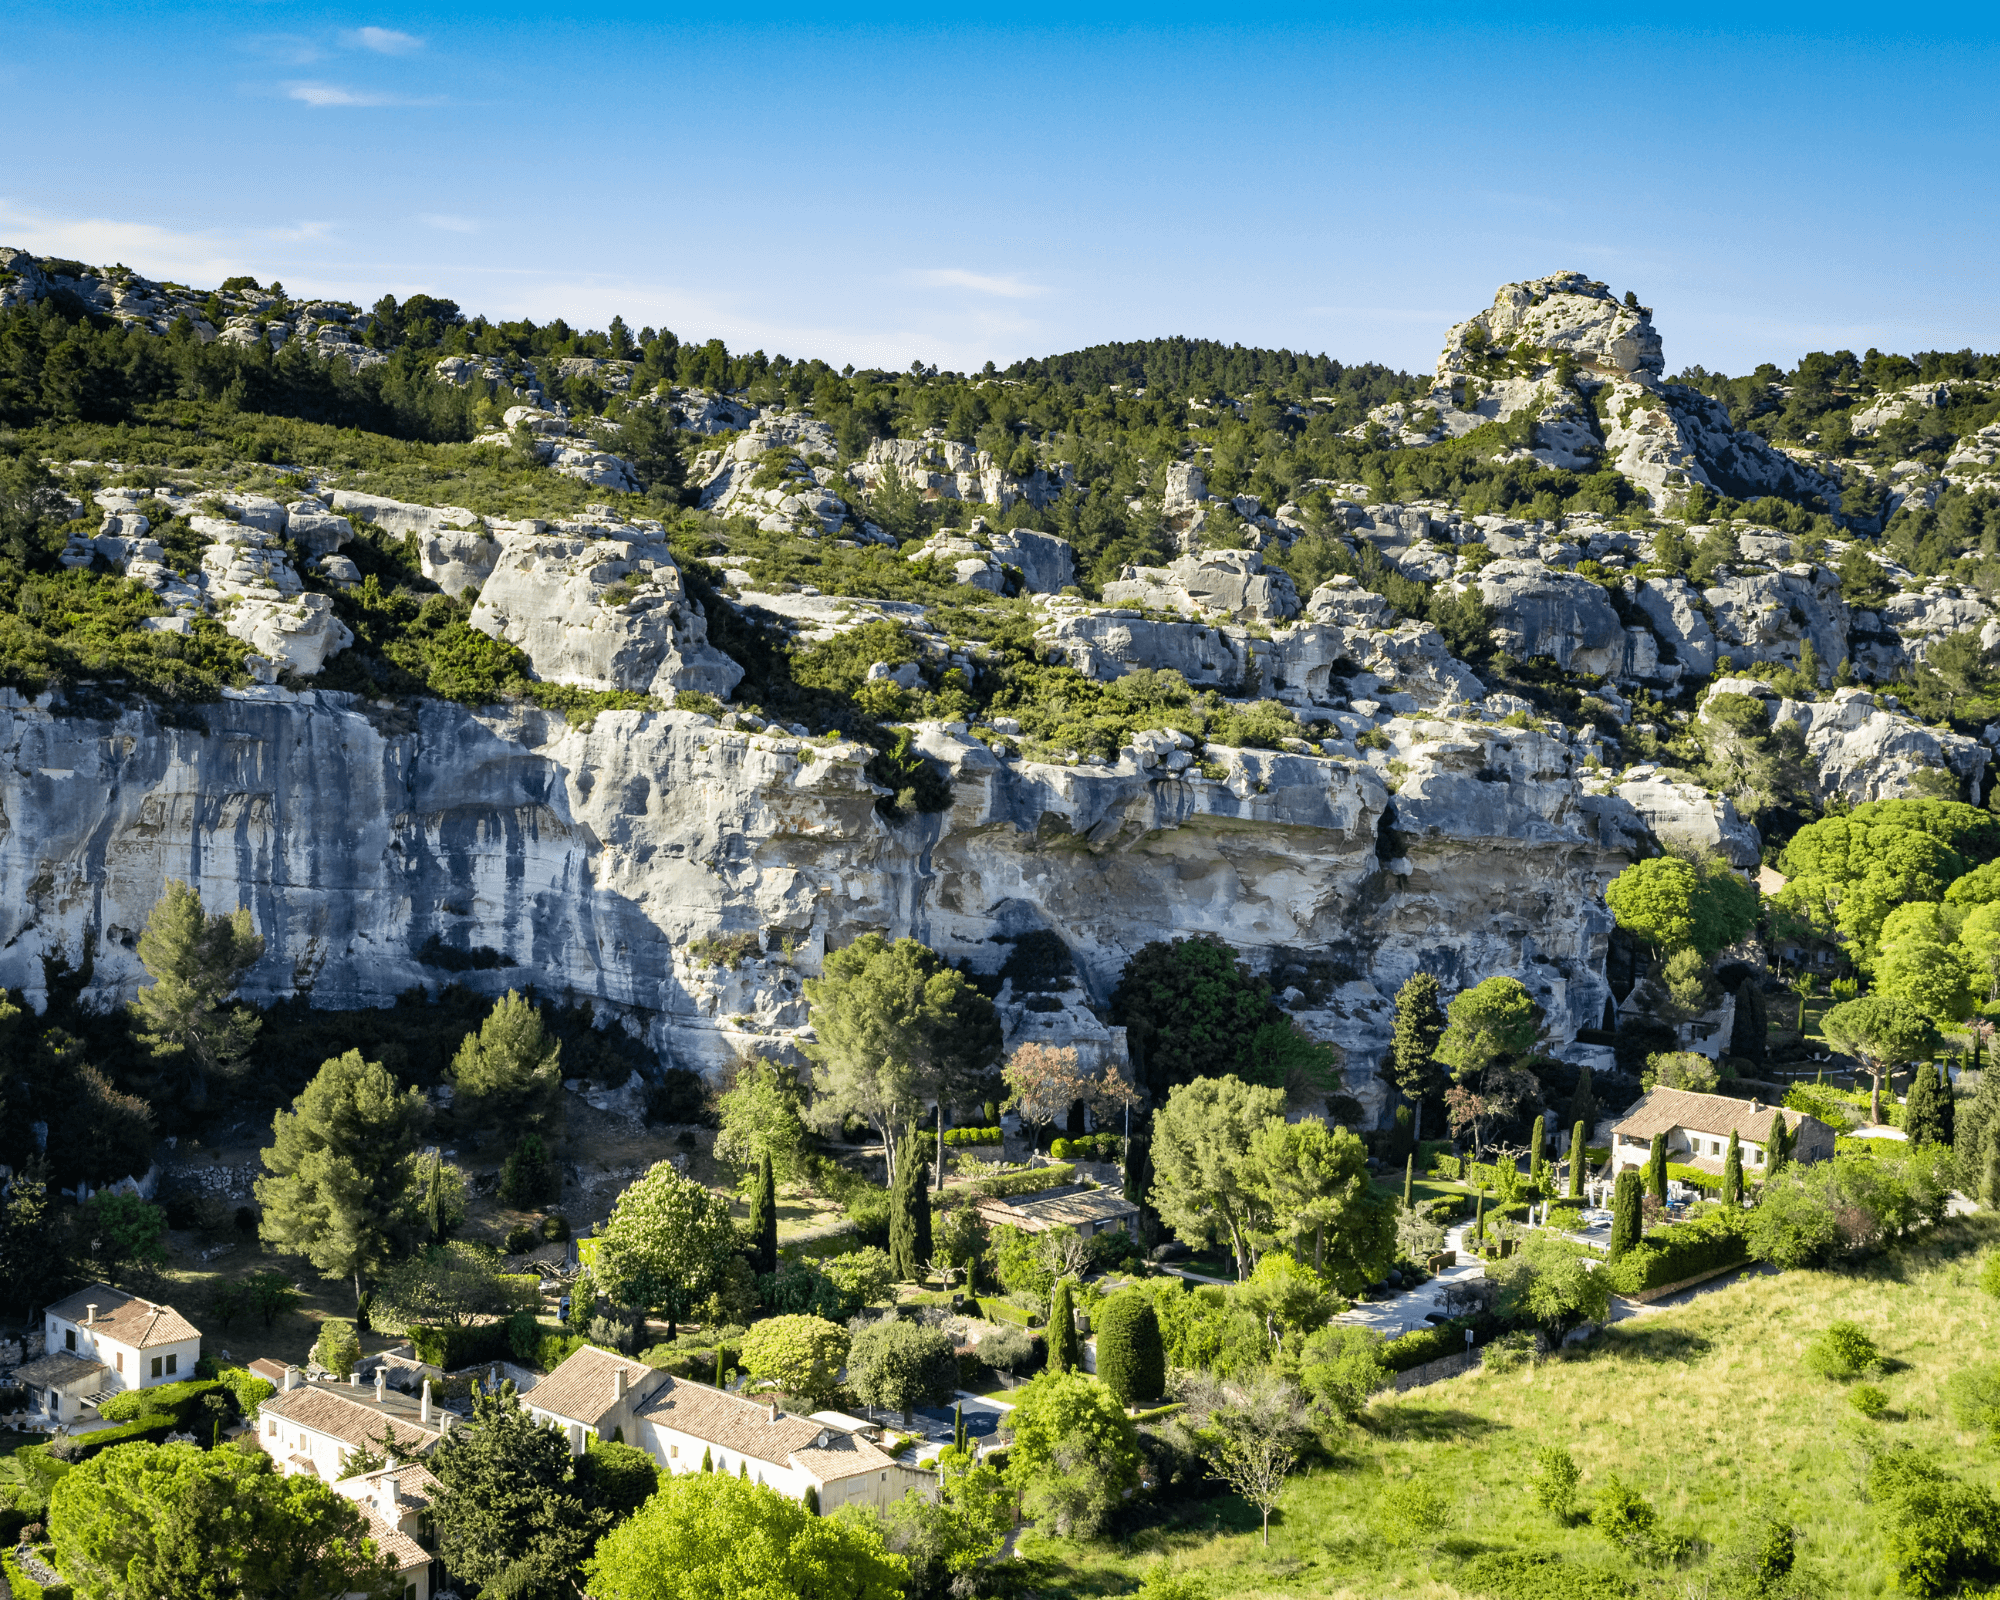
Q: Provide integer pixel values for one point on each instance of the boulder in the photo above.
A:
(1671, 606)
(1047, 564)
(316, 528)
(601, 606)
(399, 516)
(1230, 583)
(299, 634)
(1562, 314)
(1767, 616)
(1862, 750)
(1538, 612)
(1685, 814)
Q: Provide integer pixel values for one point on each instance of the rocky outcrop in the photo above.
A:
(1768, 616)
(1538, 612)
(1671, 605)
(586, 862)
(1687, 816)
(1562, 314)
(944, 469)
(1861, 748)
(1047, 564)
(1225, 583)
(601, 606)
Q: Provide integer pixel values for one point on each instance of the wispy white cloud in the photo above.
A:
(154, 251)
(302, 233)
(449, 224)
(314, 93)
(290, 49)
(977, 282)
(384, 41)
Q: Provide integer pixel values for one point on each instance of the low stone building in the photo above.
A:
(1698, 1127)
(1085, 1211)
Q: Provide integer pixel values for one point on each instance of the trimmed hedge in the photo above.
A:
(1446, 1207)
(970, 1136)
(1444, 1166)
(177, 1398)
(150, 1429)
(1425, 1344)
(452, 1348)
(994, 1309)
(1033, 1181)
(1682, 1251)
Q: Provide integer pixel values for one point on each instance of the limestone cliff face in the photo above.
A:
(378, 851)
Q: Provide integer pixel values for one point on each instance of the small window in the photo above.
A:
(885, 1477)
(271, 1428)
(118, 1361)
(673, 1452)
(173, 1365)
(156, 1366)
(69, 1338)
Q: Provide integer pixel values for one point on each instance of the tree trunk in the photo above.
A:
(1319, 1249)
(1417, 1124)
(1875, 1096)
(1267, 1528)
(887, 1130)
(939, 1185)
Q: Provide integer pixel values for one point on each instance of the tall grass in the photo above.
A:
(1708, 1410)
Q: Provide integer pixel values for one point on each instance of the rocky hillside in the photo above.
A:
(642, 673)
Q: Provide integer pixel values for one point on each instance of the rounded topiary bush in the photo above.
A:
(1059, 1148)
(1131, 1358)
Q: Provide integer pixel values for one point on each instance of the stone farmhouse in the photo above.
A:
(314, 1427)
(397, 1499)
(1077, 1206)
(102, 1341)
(596, 1394)
(1698, 1127)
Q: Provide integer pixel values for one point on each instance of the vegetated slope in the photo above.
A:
(1708, 1411)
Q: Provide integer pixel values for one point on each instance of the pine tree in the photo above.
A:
(510, 1071)
(196, 962)
(1732, 1172)
(1656, 1168)
(1420, 1023)
(1577, 1160)
(1065, 1350)
(764, 1218)
(1624, 1214)
(1409, 1179)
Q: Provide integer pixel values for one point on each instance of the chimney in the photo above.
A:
(424, 1405)
(90, 1315)
(379, 1386)
(291, 1379)
(354, 1380)
(774, 1409)
(618, 1383)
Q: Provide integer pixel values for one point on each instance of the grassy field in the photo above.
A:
(1707, 1410)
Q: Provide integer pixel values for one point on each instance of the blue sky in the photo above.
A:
(959, 187)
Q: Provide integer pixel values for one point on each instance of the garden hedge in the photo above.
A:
(452, 1348)
(25, 1587)
(1682, 1251)
(1033, 1181)
(970, 1136)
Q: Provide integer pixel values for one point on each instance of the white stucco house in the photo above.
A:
(102, 1341)
(598, 1394)
(313, 1427)
(397, 1499)
(1698, 1126)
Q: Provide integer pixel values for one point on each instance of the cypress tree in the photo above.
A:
(718, 1367)
(1732, 1172)
(1947, 1106)
(707, 1459)
(958, 1426)
(1583, 1104)
(812, 1499)
(1656, 1168)
(1131, 1357)
(1577, 1160)
(1923, 1115)
(743, 1470)
(764, 1218)
(1624, 1214)
(1537, 1154)
(1479, 1215)
(1420, 1024)
(1989, 1180)
(1065, 1349)
(1409, 1180)
(910, 1220)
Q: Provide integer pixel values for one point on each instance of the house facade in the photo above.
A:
(313, 1427)
(102, 1341)
(398, 1500)
(679, 1423)
(1698, 1126)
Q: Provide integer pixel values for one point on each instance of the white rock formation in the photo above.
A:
(1539, 612)
(601, 606)
(1228, 583)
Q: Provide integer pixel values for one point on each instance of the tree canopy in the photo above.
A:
(1669, 903)
(1191, 1010)
(196, 962)
(341, 1167)
(510, 1071)
(1203, 1179)
(1492, 1021)
(666, 1242)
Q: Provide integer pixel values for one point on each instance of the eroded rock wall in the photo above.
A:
(381, 851)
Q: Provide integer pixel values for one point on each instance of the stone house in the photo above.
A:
(102, 1341)
(597, 1394)
(398, 1499)
(1698, 1127)
(314, 1427)
(1076, 1206)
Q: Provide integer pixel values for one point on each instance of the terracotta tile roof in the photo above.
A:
(59, 1370)
(1063, 1207)
(125, 1317)
(844, 1455)
(1718, 1115)
(731, 1421)
(269, 1370)
(580, 1389)
(415, 1483)
(397, 1545)
(353, 1416)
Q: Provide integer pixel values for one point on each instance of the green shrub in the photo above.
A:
(1131, 1360)
(521, 1238)
(1059, 1148)
(452, 1348)
(178, 1399)
(1444, 1166)
(1681, 1251)
(1536, 1575)
(1940, 1532)
(1410, 1513)
(960, 1137)
(1869, 1399)
(1424, 1345)
(1554, 1482)
(1627, 1519)
(1842, 1352)
(25, 1587)
(1989, 1275)
(1973, 1393)
(1033, 1181)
